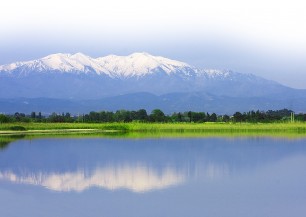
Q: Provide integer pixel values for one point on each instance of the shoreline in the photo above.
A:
(156, 128)
(54, 131)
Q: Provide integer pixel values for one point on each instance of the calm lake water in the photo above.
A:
(214, 177)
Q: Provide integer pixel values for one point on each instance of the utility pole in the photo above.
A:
(292, 117)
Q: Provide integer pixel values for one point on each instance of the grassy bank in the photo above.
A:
(299, 127)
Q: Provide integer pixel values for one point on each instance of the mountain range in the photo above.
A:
(80, 83)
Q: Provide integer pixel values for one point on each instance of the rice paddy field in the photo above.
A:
(175, 129)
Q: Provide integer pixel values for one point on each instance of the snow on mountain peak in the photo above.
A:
(70, 63)
(137, 64)
(133, 65)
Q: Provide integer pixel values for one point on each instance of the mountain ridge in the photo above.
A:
(80, 77)
(135, 64)
(169, 103)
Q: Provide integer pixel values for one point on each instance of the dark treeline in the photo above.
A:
(157, 116)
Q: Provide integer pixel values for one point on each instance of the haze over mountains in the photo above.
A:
(79, 83)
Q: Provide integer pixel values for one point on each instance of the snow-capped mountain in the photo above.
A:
(81, 77)
(138, 64)
(134, 65)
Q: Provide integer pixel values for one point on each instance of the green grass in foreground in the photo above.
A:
(298, 127)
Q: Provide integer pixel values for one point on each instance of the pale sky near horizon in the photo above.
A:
(266, 38)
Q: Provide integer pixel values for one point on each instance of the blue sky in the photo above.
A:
(266, 38)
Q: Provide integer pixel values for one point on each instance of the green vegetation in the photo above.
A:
(151, 130)
(156, 116)
(5, 140)
(267, 128)
(270, 122)
(17, 128)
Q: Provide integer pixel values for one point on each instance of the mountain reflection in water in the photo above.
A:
(137, 165)
(135, 178)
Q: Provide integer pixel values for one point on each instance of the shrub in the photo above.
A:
(17, 128)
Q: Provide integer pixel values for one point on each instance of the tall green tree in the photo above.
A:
(3, 118)
(157, 115)
(238, 117)
(142, 115)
